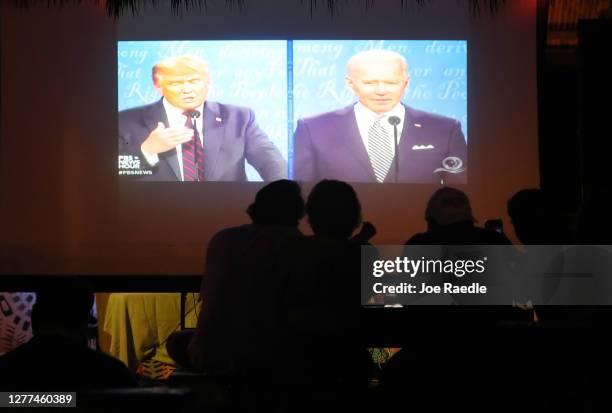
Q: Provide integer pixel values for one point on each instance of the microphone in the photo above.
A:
(394, 121)
(193, 114)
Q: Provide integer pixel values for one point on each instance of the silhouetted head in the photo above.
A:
(532, 216)
(278, 203)
(448, 206)
(333, 209)
(62, 308)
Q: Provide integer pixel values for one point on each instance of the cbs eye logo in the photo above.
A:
(452, 165)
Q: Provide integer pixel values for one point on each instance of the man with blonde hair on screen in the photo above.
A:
(185, 137)
(357, 143)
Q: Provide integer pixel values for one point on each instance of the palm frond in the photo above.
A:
(118, 8)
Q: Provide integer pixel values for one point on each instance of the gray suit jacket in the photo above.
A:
(329, 146)
(231, 135)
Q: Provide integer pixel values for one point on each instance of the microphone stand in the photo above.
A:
(196, 135)
(394, 120)
(396, 153)
(193, 115)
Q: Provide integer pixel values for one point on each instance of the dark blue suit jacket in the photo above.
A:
(231, 135)
(329, 146)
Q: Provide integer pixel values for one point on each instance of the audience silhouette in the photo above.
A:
(58, 358)
(238, 326)
(563, 353)
(450, 222)
(449, 339)
(326, 362)
(537, 225)
(280, 317)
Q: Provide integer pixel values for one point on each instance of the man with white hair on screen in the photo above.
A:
(357, 143)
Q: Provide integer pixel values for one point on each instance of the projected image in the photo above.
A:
(353, 110)
(380, 111)
(203, 111)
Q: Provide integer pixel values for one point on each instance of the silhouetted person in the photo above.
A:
(322, 297)
(535, 219)
(537, 225)
(450, 222)
(57, 358)
(592, 256)
(448, 338)
(238, 325)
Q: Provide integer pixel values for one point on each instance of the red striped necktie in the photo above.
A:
(193, 162)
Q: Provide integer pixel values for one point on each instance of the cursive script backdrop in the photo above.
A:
(246, 73)
(255, 73)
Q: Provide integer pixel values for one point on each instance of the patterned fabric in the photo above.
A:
(140, 323)
(381, 355)
(155, 370)
(15, 323)
(380, 153)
